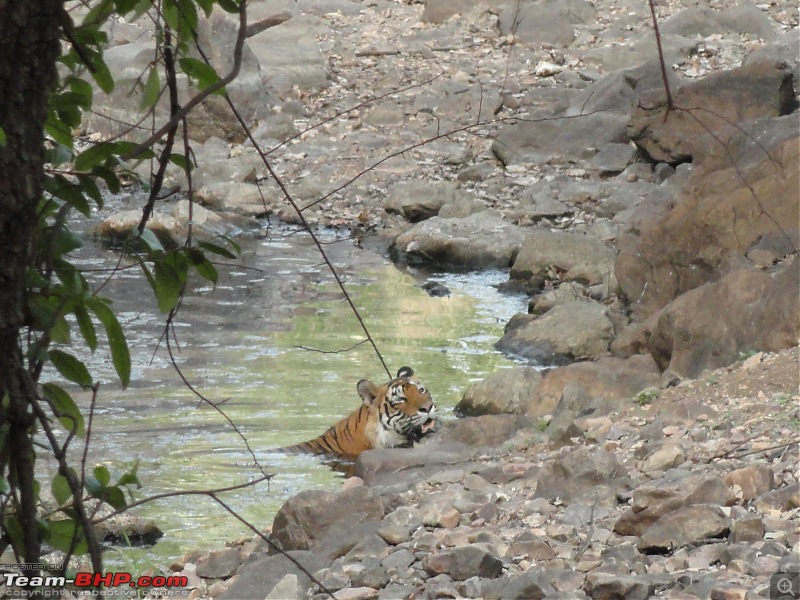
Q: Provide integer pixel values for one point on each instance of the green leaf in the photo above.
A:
(120, 355)
(102, 475)
(90, 189)
(67, 241)
(57, 130)
(115, 497)
(109, 176)
(169, 10)
(96, 155)
(131, 477)
(65, 408)
(229, 6)
(204, 267)
(206, 5)
(151, 241)
(59, 332)
(60, 535)
(92, 486)
(2, 137)
(215, 249)
(204, 74)
(13, 529)
(60, 489)
(101, 74)
(86, 326)
(82, 90)
(179, 160)
(61, 187)
(168, 286)
(152, 88)
(70, 368)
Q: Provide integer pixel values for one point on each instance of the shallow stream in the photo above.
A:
(246, 342)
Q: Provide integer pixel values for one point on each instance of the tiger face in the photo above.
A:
(405, 409)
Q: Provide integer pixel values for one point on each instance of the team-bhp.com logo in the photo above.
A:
(87, 580)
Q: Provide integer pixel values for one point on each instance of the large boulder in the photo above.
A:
(417, 200)
(741, 199)
(707, 111)
(565, 256)
(558, 137)
(479, 241)
(595, 386)
(308, 517)
(505, 391)
(257, 579)
(289, 56)
(578, 329)
(710, 326)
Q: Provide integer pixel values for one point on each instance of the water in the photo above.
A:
(245, 344)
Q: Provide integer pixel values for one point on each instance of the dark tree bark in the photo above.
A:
(29, 47)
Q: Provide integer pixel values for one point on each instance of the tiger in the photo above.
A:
(397, 413)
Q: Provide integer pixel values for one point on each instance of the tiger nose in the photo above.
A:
(429, 407)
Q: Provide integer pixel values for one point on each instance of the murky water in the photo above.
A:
(245, 343)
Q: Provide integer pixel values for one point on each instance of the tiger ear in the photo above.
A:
(368, 391)
(405, 372)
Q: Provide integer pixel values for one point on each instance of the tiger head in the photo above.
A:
(405, 409)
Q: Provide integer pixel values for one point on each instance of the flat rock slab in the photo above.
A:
(565, 256)
(574, 330)
(759, 89)
(479, 241)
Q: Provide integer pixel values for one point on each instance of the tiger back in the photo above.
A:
(397, 413)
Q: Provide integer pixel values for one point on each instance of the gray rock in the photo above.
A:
(613, 158)
(286, 589)
(686, 525)
(577, 329)
(581, 475)
(747, 529)
(532, 585)
(746, 93)
(373, 577)
(388, 466)
(562, 429)
(480, 241)
(239, 198)
(605, 586)
(462, 206)
(539, 23)
(289, 56)
(710, 326)
(219, 564)
(483, 431)
(665, 457)
(551, 137)
(463, 562)
(656, 499)
(399, 560)
(417, 200)
(504, 391)
(398, 525)
(366, 549)
(783, 499)
(259, 577)
(565, 256)
(596, 387)
(308, 516)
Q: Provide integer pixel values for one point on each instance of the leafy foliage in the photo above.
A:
(59, 300)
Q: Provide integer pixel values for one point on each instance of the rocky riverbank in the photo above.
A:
(684, 492)
(658, 244)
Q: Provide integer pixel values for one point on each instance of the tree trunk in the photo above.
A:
(29, 47)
